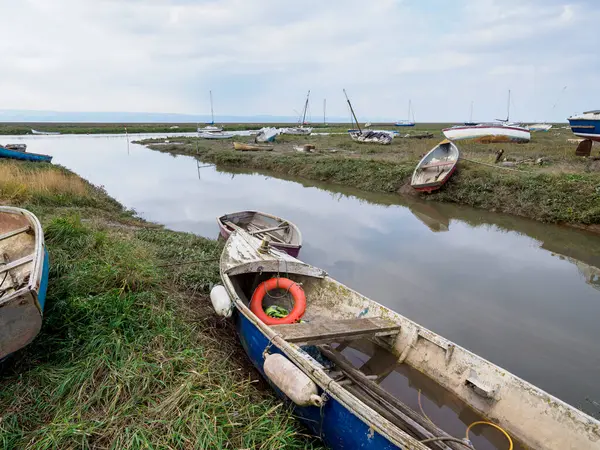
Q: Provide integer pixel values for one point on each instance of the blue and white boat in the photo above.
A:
(344, 403)
(24, 267)
(586, 125)
(407, 122)
(22, 155)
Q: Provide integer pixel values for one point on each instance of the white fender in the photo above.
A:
(291, 381)
(220, 300)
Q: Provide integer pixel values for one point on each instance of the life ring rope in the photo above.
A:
(291, 287)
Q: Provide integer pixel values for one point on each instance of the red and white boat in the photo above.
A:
(436, 167)
(488, 133)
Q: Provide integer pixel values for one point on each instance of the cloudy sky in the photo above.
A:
(261, 56)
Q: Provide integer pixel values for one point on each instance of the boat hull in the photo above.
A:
(488, 134)
(586, 128)
(436, 167)
(21, 311)
(335, 424)
(23, 156)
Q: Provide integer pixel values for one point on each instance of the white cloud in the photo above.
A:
(261, 56)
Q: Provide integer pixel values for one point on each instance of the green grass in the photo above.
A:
(130, 354)
(564, 189)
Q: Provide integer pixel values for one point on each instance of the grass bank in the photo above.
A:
(563, 189)
(130, 354)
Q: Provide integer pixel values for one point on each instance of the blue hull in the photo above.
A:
(44, 281)
(587, 129)
(404, 124)
(335, 424)
(23, 156)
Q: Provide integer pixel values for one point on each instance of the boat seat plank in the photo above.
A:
(335, 330)
(266, 230)
(14, 232)
(438, 164)
(252, 229)
(17, 263)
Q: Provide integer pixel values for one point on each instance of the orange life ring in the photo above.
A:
(282, 283)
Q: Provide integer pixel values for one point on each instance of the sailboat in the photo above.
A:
(408, 122)
(210, 126)
(301, 129)
(367, 137)
(470, 122)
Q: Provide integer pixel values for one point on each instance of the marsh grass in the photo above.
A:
(565, 188)
(130, 354)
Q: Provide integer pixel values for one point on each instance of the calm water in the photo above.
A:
(522, 294)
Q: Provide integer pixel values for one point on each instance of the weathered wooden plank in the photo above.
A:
(266, 230)
(14, 232)
(438, 164)
(335, 330)
(17, 263)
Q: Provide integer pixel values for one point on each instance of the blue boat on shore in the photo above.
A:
(586, 125)
(348, 402)
(24, 267)
(22, 155)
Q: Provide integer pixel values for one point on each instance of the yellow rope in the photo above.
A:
(423, 412)
(481, 422)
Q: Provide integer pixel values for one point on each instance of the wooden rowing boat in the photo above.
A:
(23, 278)
(283, 234)
(252, 147)
(346, 404)
(436, 167)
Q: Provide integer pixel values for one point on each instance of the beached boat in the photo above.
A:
(19, 147)
(215, 135)
(266, 134)
(471, 123)
(407, 122)
(349, 405)
(301, 129)
(539, 127)
(49, 133)
(284, 235)
(372, 137)
(436, 167)
(586, 125)
(210, 126)
(488, 133)
(23, 155)
(24, 269)
(252, 147)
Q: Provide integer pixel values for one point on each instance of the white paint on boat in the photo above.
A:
(488, 133)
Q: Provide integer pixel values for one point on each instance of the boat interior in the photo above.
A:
(20, 318)
(436, 165)
(261, 225)
(354, 340)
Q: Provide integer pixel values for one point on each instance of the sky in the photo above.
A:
(262, 56)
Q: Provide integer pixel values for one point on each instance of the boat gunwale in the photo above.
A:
(449, 172)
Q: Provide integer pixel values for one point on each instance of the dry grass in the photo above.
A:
(19, 182)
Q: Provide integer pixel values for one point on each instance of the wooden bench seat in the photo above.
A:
(438, 164)
(335, 330)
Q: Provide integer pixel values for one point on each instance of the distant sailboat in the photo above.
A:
(470, 122)
(408, 122)
(301, 129)
(210, 128)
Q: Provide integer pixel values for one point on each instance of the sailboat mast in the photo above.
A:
(352, 111)
(212, 113)
(408, 113)
(305, 108)
(471, 115)
(324, 111)
(508, 108)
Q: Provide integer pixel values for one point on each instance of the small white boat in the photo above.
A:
(539, 127)
(210, 129)
(488, 133)
(301, 130)
(266, 134)
(48, 133)
(348, 405)
(436, 167)
(372, 137)
(215, 135)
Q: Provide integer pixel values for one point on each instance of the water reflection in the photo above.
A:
(520, 293)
